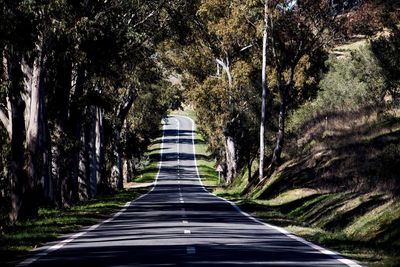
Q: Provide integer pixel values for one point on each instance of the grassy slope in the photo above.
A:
(361, 226)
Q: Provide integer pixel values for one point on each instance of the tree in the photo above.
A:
(264, 85)
(297, 32)
(62, 63)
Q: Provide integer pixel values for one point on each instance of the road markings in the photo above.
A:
(335, 255)
(185, 222)
(45, 251)
(187, 232)
(190, 250)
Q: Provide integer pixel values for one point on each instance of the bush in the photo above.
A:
(351, 83)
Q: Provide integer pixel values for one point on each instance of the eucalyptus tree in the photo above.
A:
(69, 79)
(218, 57)
(298, 32)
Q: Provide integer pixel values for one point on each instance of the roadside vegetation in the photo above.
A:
(338, 183)
(298, 101)
(18, 240)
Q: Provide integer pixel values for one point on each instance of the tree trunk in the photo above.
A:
(264, 84)
(93, 136)
(117, 171)
(70, 185)
(231, 159)
(61, 133)
(20, 202)
(230, 143)
(101, 178)
(84, 162)
(280, 138)
(33, 135)
(5, 115)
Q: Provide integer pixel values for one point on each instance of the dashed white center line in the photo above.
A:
(190, 250)
(187, 232)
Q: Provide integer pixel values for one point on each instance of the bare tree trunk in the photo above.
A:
(93, 136)
(230, 143)
(70, 185)
(231, 159)
(33, 134)
(84, 162)
(117, 171)
(20, 208)
(100, 177)
(264, 84)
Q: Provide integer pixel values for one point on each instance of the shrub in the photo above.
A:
(351, 83)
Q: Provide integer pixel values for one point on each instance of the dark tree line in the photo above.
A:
(73, 75)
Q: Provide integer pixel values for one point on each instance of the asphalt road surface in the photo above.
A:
(178, 223)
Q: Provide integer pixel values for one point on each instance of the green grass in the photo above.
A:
(17, 240)
(363, 227)
(148, 167)
(206, 164)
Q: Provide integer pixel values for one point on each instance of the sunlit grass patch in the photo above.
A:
(289, 196)
(375, 223)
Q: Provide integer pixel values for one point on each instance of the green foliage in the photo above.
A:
(387, 52)
(351, 83)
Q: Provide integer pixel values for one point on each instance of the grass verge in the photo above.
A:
(148, 166)
(16, 241)
(359, 226)
(362, 227)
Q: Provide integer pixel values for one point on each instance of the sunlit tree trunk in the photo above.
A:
(231, 159)
(230, 142)
(99, 150)
(264, 84)
(33, 138)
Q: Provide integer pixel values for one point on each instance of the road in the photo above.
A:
(178, 223)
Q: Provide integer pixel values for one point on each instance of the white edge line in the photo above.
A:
(335, 255)
(74, 236)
